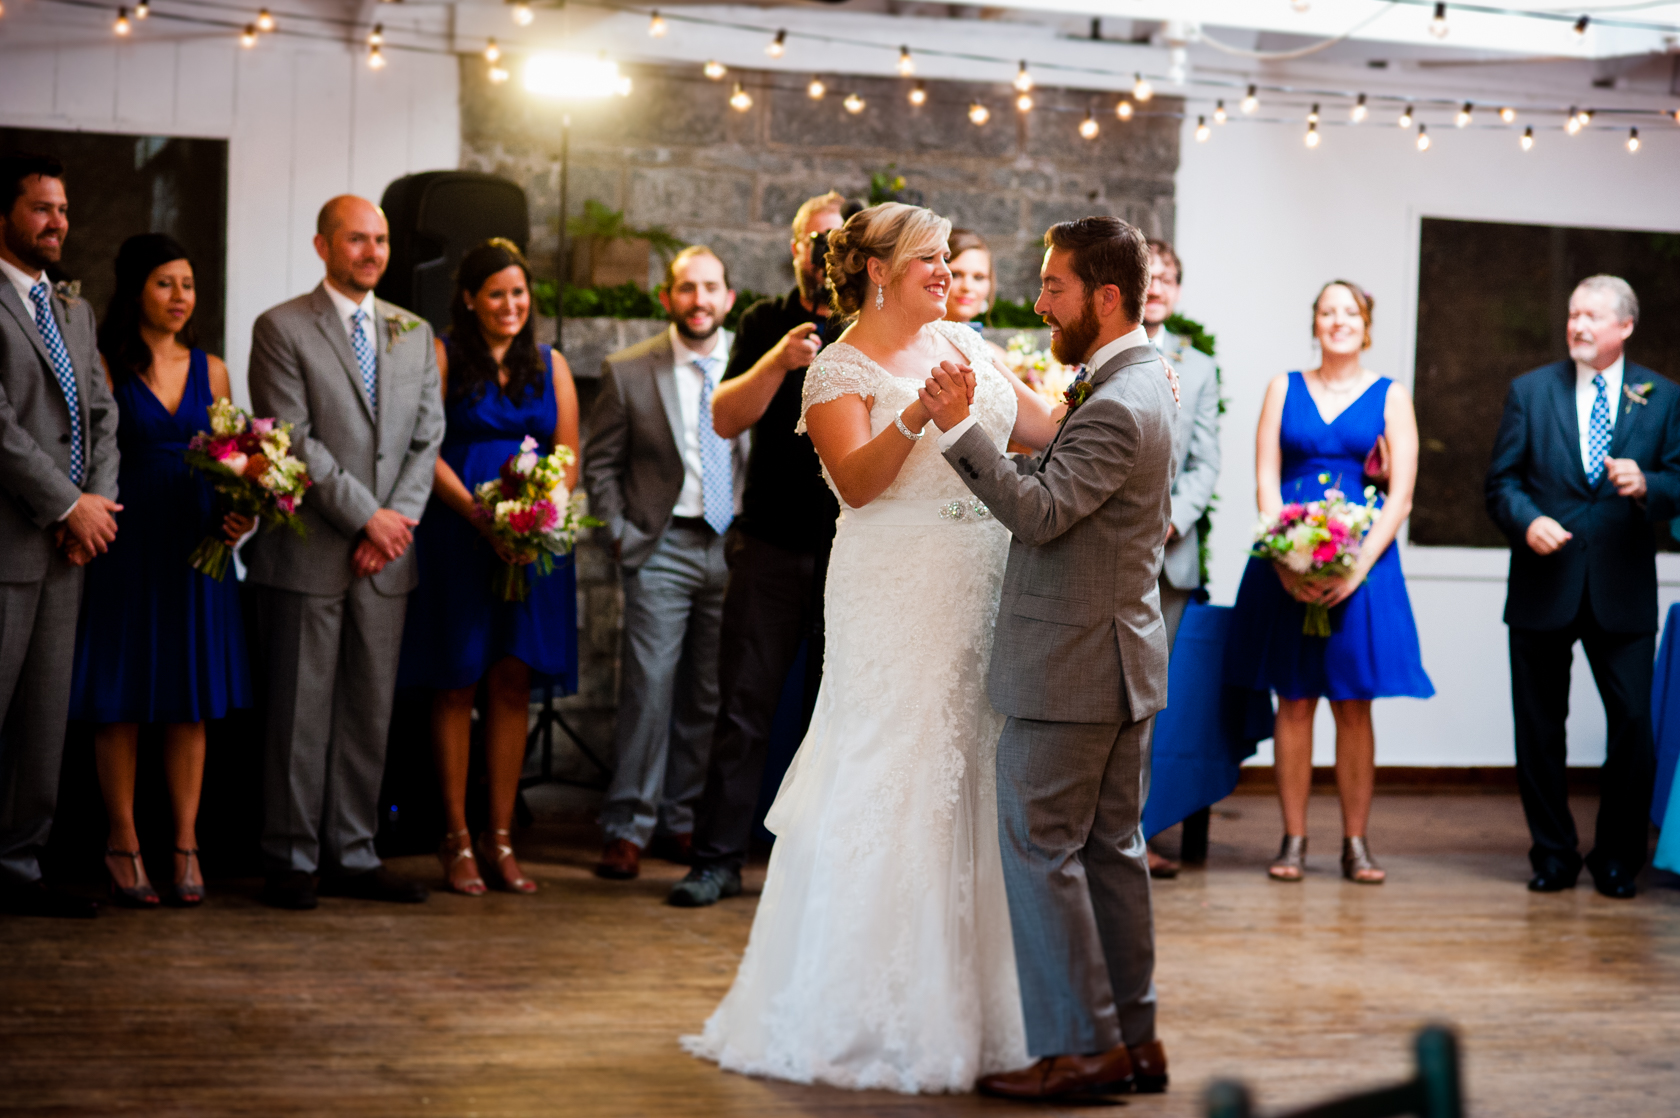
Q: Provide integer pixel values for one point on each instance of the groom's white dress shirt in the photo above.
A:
(1119, 345)
(1585, 394)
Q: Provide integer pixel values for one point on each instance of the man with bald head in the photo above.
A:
(358, 380)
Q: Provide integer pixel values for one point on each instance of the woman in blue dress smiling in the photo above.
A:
(499, 387)
(1316, 430)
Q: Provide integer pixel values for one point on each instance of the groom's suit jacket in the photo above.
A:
(1537, 471)
(303, 371)
(1079, 632)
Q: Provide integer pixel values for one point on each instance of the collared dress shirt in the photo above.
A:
(691, 500)
(1585, 393)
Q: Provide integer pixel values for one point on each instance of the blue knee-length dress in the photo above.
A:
(1372, 651)
(157, 641)
(456, 627)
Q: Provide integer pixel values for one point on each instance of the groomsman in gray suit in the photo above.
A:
(1197, 442)
(58, 477)
(1080, 668)
(668, 488)
(358, 380)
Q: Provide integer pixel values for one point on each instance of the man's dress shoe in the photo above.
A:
(621, 860)
(35, 899)
(377, 884)
(1614, 881)
(293, 889)
(1060, 1077)
(1149, 1067)
(1551, 881)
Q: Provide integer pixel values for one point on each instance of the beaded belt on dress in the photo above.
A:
(956, 510)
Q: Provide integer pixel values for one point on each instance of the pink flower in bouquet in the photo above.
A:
(1325, 551)
(1291, 512)
(524, 521)
(286, 503)
(1338, 532)
(547, 515)
(263, 426)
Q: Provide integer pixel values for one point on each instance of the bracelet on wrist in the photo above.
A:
(913, 436)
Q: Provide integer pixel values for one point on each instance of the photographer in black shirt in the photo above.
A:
(777, 551)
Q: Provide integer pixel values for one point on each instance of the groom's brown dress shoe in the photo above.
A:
(1149, 1068)
(1057, 1077)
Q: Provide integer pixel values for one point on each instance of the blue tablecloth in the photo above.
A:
(1207, 729)
(1665, 728)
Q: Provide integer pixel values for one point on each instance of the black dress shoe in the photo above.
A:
(1551, 881)
(1614, 881)
(36, 899)
(377, 884)
(293, 889)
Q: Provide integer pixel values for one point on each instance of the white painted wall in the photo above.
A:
(304, 121)
(1262, 222)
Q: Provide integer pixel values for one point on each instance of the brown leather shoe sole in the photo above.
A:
(620, 861)
(1059, 1077)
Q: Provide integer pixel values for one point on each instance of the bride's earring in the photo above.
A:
(880, 297)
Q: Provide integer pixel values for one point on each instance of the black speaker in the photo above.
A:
(435, 217)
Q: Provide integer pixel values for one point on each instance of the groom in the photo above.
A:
(1080, 665)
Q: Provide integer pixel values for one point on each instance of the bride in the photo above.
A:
(881, 953)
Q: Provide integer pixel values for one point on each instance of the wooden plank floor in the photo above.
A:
(570, 1002)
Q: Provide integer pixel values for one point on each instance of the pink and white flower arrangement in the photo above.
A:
(527, 509)
(250, 464)
(1317, 540)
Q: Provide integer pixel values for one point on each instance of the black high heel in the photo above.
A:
(189, 893)
(139, 895)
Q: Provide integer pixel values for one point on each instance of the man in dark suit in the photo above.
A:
(1587, 460)
(58, 488)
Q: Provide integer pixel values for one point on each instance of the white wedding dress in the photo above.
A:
(881, 953)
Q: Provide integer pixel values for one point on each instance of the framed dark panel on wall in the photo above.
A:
(1492, 304)
(123, 185)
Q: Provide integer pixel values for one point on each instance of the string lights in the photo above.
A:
(1088, 126)
(657, 27)
(142, 10)
(1219, 114)
(918, 94)
(1438, 23)
(777, 46)
(1123, 109)
(1462, 120)
(978, 113)
(1508, 115)
(1405, 120)
(1312, 136)
(714, 69)
(1573, 124)
(121, 26)
(376, 37)
(1202, 130)
(1527, 140)
(1251, 100)
(1141, 89)
(1360, 110)
(265, 21)
(740, 100)
(906, 64)
(1580, 28)
(492, 52)
(1023, 79)
(1633, 140)
(854, 104)
(1023, 102)
(375, 58)
(248, 37)
(1312, 114)
(522, 14)
(816, 89)
(1423, 137)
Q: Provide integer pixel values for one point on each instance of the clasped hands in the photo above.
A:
(385, 537)
(947, 394)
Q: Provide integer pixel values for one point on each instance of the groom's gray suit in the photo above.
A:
(331, 639)
(1079, 664)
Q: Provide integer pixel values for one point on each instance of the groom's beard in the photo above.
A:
(1074, 344)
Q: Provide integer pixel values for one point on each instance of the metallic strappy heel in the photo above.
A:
(457, 846)
(189, 893)
(140, 894)
(1357, 864)
(1291, 862)
(498, 850)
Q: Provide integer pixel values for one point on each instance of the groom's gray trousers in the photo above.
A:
(1070, 802)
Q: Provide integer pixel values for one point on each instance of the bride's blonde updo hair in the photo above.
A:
(891, 232)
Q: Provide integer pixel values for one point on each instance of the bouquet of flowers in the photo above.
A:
(527, 510)
(1317, 540)
(1038, 369)
(250, 465)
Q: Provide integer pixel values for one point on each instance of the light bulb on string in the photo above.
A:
(777, 46)
(1360, 110)
(1405, 120)
(1023, 79)
(1508, 114)
(714, 69)
(918, 94)
(1580, 28)
(657, 27)
(1251, 100)
(1300, 5)
(740, 100)
(121, 26)
(1462, 120)
(1142, 90)
(376, 37)
(1423, 137)
(1585, 117)
(1312, 114)
(1312, 136)
(1202, 130)
(1677, 116)
(1123, 110)
(979, 113)
(853, 104)
(265, 21)
(1528, 138)
(498, 74)
(1633, 140)
(142, 10)
(906, 64)
(1573, 124)
(1023, 103)
(522, 17)
(1088, 126)
(492, 52)
(248, 37)
(816, 89)
(1438, 23)
(376, 58)
(1220, 116)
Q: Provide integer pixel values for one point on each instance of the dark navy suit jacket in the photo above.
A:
(1537, 471)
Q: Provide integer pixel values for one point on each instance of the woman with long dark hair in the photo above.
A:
(157, 641)
(499, 387)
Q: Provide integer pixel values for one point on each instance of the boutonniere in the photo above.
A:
(1636, 394)
(68, 290)
(396, 325)
(1077, 393)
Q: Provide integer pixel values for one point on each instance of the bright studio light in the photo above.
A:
(1250, 101)
(816, 90)
(777, 47)
(1423, 137)
(1360, 110)
(1438, 23)
(740, 100)
(1527, 140)
(918, 94)
(657, 27)
(853, 104)
(1219, 114)
(1202, 130)
(522, 13)
(1405, 120)
(566, 76)
(979, 113)
(906, 64)
(1142, 90)
(1023, 79)
(1088, 126)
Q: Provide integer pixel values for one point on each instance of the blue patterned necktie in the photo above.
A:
(63, 370)
(365, 358)
(1598, 432)
(717, 472)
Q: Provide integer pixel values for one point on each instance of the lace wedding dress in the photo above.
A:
(881, 953)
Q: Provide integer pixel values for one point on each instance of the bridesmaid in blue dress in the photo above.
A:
(157, 641)
(1316, 430)
(499, 387)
